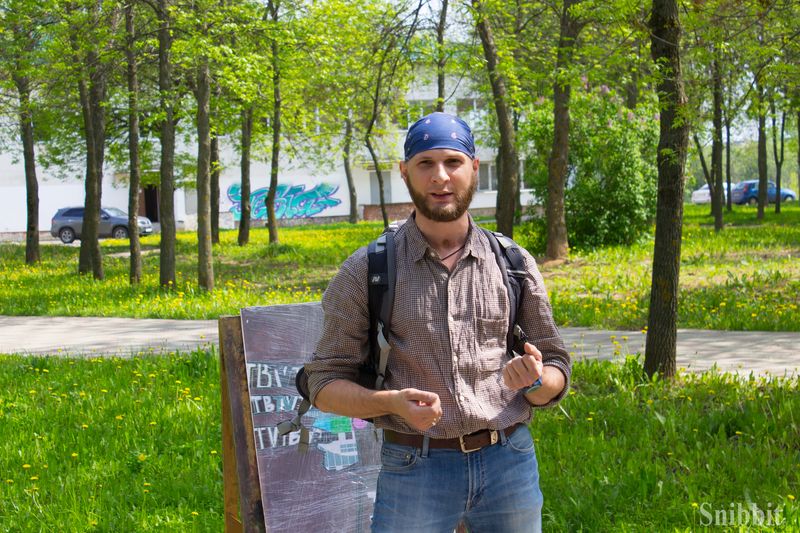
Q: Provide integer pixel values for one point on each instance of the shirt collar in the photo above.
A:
(418, 245)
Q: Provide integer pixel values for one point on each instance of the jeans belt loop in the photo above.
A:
(492, 441)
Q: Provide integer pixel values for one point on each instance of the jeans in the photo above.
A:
(494, 489)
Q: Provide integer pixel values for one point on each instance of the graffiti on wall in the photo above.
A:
(291, 201)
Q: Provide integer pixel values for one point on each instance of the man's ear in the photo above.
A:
(476, 163)
(403, 171)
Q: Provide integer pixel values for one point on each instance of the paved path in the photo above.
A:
(759, 352)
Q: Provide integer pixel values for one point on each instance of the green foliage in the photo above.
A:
(611, 189)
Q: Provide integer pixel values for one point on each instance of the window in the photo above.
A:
(76, 212)
(487, 177)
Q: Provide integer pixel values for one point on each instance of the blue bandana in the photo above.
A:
(439, 130)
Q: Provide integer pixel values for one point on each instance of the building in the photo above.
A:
(304, 193)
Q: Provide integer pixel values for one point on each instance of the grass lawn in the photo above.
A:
(134, 445)
(745, 278)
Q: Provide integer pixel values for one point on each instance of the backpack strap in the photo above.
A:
(512, 267)
(381, 286)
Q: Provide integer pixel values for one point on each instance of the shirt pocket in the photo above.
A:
(491, 338)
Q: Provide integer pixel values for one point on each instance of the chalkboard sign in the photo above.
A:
(332, 486)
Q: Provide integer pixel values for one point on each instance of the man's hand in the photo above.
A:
(420, 409)
(521, 372)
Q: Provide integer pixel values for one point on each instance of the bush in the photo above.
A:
(611, 187)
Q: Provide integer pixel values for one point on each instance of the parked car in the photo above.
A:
(67, 224)
(703, 194)
(746, 192)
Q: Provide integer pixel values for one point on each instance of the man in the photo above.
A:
(454, 408)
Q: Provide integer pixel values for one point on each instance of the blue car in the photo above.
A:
(746, 192)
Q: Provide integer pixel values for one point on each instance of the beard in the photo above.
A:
(444, 213)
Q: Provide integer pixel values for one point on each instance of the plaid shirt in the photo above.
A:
(448, 332)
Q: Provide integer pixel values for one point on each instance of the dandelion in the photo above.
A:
(104, 391)
(10, 481)
(146, 484)
(26, 466)
(695, 505)
(84, 426)
(74, 455)
(739, 433)
(790, 496)
(152, 423)
(34, 478)
(119, 417)
(213, 452)
(141, 457)
(195, 513)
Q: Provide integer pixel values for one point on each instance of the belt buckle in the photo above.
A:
(492, 440)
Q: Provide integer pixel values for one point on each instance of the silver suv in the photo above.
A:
(68, 222)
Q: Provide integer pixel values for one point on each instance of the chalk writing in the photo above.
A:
(264, 375)
(291, 201)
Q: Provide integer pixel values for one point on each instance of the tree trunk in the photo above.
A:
(558, 165)
(717, 197)
(441, 59)
(703, 165)
(214, 187)
(379, 174)
(276, 129)
(775, 153)
(135, 273)
(32, 254)
(509, 176)
(166, 200)
(205, 264)
(91, 91)
(247, 137)
(728, 200)
(348, 172)
(762, 156)
(673, 139)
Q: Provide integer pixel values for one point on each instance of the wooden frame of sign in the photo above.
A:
(271, 481)
(242, 491)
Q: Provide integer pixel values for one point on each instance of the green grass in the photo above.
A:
(744, 278)
(134, 445)
(110, 444)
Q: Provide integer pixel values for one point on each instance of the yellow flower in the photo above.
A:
(152, 423)
(9, 481)
(195, 513)
(34, 478)
(103, 390)
(142, 457)
(146, 484)
(84, 426)
(26, 466)
(213, 452)
(119, 417)
(74, 455)
(695, 505)
(790, 496)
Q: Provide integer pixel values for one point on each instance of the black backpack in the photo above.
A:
(381, 281)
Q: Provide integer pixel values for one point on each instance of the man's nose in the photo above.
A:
(440, 173)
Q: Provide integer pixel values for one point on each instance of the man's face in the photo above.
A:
(441, 183)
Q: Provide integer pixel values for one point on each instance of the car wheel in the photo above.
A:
(788, 198)
(120, 232)
(753, 201)
(66, 235)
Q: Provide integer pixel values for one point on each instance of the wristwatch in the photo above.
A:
(536, 385)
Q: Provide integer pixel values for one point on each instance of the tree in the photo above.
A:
(557, 244)
(166, 200)
(673, 139)
(508, 181)
(19, 55)
(135, 275)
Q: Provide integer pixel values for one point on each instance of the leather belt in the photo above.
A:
(467, 443)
